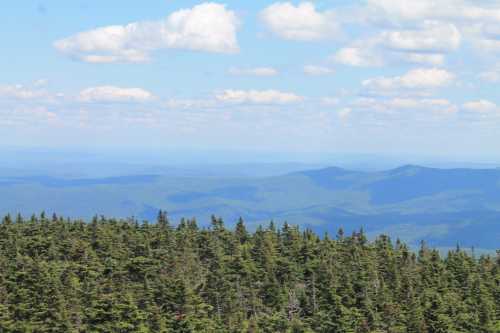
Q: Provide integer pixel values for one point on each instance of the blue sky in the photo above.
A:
(373, 76)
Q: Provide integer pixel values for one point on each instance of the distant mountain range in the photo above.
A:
(441, 206)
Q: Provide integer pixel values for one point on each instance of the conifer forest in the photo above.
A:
(108, 275)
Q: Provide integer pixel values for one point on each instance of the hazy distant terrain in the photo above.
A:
(442, 206)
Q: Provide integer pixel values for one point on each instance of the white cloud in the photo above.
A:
(491, 31)
(481, 106)
(317, 70)
(40, 82)
(206, 27)
(25, 115)
(492, 75)
(190, 103)
(259, 71)
(433, 36)
(415, 79)
(434, 59)
(114, 94)
(391, 105)
(433, 104)
(372, 53)
(357, 56)
(302, 22)
(446, 23)
(232, 97)
(405, 10)
(19, 91)
(485, 37)
(424, 43)
(258, 97)
(488, 45)
(396, 10)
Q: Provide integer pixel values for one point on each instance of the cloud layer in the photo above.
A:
(381, 64)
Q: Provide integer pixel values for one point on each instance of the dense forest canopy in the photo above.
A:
(59, 275)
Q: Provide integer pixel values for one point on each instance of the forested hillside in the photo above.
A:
(58, 275)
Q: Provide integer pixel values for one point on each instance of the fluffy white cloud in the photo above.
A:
(114, 94)
(415, 79)
(357, 56)
(317, 70)
(481, 106)
(259, 71)
(433, 36)
(258, 97)
(446, 23)
(206, 27)
(425, 43)
(302, 22)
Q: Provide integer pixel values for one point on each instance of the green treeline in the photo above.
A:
(58, 275)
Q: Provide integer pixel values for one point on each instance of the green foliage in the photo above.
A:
(109, 275)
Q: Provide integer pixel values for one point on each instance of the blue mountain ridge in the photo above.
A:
(441, 206)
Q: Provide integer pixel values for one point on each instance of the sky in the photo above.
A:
(374, 76)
